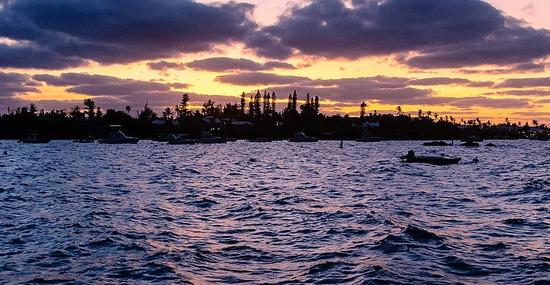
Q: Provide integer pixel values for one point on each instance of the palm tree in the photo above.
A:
(363, 108)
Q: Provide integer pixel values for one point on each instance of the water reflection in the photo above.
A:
(274, 212)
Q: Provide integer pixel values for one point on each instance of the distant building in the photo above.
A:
(160, 122)
(242, 123)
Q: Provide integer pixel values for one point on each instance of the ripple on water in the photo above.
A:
(275, 213)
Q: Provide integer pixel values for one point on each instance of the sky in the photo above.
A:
(467, 59)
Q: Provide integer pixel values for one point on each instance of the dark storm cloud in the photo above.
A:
(60, 33)
(442, 33)
(525, 82)
(226, 64)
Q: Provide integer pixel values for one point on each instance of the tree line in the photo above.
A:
(252, 116)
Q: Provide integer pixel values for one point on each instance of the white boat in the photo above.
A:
(34, 139)
(301, 137)
(181, 139)
(118, 137)
(209, 138)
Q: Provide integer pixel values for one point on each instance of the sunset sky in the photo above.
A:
(467, 58)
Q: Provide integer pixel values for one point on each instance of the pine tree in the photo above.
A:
(257, 104)
(316, 106)
(243, 103)
(273, 103)
(289, 105)
(251, 107)
(90, 107)
(294, 102)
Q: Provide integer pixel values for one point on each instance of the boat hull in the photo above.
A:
(35, 141)
(434, 160)
(125, 141)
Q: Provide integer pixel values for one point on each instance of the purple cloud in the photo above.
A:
(226, 64)
(525, 82)
(63, 33)
(259, 78)
(441, 33)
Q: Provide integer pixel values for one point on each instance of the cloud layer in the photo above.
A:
(62, 33)
(423, 33)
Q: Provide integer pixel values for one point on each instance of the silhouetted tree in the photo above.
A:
(316, 105)
(89, 104)
(32, 109)
(273, 103)
(243, 103)
(257, 109)
(147, 114)
(363, 109)
(209, 108)
(251, 107)
(76, 113)
(294, 102)
(167, 114)
(182, 110)
(128, 109)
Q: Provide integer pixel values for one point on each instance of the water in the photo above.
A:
(273, 213)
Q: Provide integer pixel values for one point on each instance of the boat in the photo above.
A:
(472, 139)
(163, 138)
(491, 145)
(34, 139)
(118, 137)
(540, 138)
(367, 136)
(437, 143)
(301, 137)
(85, 140)
(434, 160)
(209, 138)
(181, 140)
(260, 140)
(369, 139)
(470, 144)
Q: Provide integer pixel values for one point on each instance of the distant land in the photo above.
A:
(256, 117)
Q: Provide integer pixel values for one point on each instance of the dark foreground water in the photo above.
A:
(273, 213)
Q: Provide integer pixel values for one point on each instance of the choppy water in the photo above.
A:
(273, 213)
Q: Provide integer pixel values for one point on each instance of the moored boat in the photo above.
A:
(181, 139)
(34, 139)
(209, 138)
(369, 139)
(434, 160)
(437, 143)
(85, 140)
(301, 137)
(260, 140)
(470, 144)
(118, 137)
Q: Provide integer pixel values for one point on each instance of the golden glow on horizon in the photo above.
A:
(205, 82)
